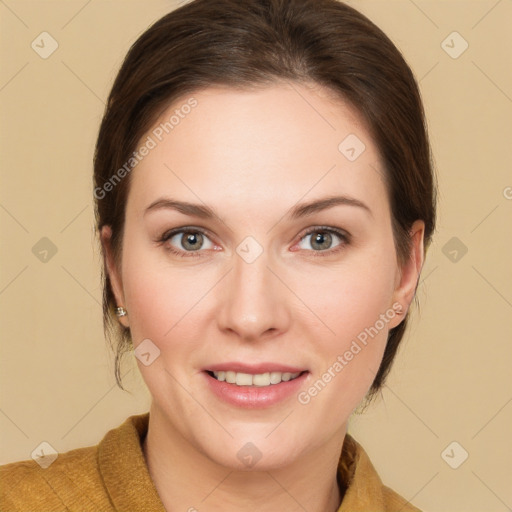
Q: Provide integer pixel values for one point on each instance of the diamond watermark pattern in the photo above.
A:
(44, 250)
(44, 45)
(454, 45)
(454, 249)
(351, 147)
(249, 455)
(146, 352)
(454, 455)
(44, 454)
(249, 249)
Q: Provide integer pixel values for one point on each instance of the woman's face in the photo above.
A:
(261, 276)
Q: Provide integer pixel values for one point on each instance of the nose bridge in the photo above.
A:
(253, 303)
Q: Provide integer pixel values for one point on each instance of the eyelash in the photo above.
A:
(344, 237)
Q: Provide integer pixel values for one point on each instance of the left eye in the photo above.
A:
(322, 239)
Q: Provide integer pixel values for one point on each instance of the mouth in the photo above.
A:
(254, 386)
(257, 380)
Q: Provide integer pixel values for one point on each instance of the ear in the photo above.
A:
(409, 273)
(112, 270)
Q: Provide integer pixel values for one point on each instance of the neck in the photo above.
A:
(187, 480)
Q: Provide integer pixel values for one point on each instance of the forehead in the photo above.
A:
(259, 149)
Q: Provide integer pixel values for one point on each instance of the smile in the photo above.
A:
(254, 385)
(259, 379)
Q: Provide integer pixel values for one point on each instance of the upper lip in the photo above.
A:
(253, 369)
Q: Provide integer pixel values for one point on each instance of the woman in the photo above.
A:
(264, 201)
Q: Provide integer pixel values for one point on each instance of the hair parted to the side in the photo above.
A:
(257, 43)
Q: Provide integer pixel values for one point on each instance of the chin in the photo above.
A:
(248, 456)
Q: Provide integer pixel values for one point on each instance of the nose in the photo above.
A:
(253, 301)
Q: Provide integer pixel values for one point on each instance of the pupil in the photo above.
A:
(321, 238)
(192, 240)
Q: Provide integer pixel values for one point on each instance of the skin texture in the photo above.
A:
(252, 156)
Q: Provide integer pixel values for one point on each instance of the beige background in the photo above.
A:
(451, 381)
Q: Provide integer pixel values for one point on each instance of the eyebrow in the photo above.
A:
(298, 211)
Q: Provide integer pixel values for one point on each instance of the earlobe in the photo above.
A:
(113, 273)
(410, 270)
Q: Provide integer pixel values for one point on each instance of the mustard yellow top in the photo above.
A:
(113, 476)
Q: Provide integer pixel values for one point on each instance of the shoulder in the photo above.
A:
(71, 481)
(393, 501)
(364, 488)
(109, 476)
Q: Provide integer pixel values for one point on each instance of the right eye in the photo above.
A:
(186, 242)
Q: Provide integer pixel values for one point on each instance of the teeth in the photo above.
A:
(243, 379)
(275, 377)
(260, 379)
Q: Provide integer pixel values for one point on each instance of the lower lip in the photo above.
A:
(255, 397)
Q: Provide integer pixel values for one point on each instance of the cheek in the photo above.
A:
(159, 297)
(354, 302)
(350, 297)
(162, 305)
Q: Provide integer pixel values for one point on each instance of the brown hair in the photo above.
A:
(259, 42)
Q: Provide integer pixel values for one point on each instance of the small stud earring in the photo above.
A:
(120, 311)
